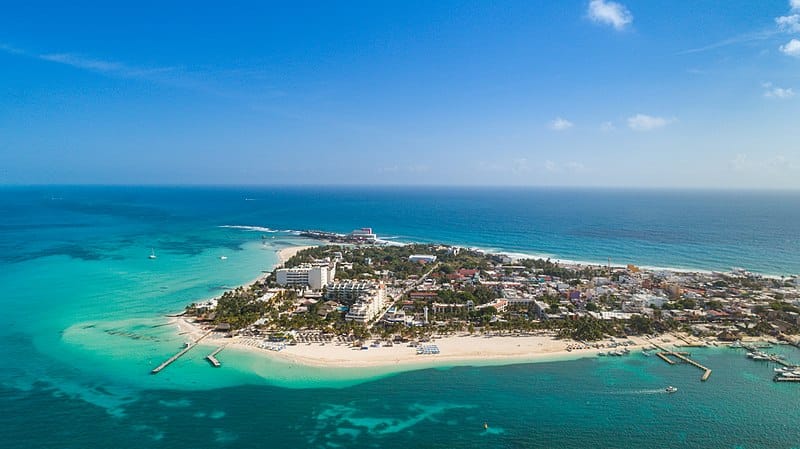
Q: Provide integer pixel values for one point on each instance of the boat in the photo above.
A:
(152, 254)
(671, 389)
(223, 257)
(485, 425)
(601, 354)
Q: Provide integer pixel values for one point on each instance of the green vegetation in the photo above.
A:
(239, 307)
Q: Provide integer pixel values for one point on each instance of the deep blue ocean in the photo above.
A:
(83, 321)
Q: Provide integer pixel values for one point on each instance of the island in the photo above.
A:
(359, 301)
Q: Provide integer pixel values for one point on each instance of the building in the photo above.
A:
(352, 290)
(312, 275)
(367, 308)
(421, 258)
(365, 234)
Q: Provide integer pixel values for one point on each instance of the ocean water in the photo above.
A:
(84, 321)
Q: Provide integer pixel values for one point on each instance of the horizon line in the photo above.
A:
(409, 186)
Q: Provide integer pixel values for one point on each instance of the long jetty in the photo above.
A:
(212, 358)
(175, 357)
(682, 356)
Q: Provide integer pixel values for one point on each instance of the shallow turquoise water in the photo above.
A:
(84, 322)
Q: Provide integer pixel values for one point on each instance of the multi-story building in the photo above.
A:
(365, 309)
(350, 290)
(314, 275)
(368, 304)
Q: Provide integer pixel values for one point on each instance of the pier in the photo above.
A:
(682, 356)
(212, 358)
(772, 357)
(786, 379)
(175, 357)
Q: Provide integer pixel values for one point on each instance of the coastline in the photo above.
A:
(287, 253)
(517, 254)
(455, 350)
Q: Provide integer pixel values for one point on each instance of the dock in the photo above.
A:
(772, 357)
(212, 358)
(786, 379)
(663, 357)
(175, 357)
(682, 356)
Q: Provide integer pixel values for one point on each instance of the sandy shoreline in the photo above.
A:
(461, 349)
(288, 252)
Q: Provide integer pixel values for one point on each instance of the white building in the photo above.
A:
(350, 290)
(421, 258)
(364, 234)
(367, 308)
(315, 276)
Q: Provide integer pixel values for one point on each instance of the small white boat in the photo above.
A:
(152, 254)
(223, 257)
(671, 389)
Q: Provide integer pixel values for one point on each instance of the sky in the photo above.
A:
(628, 93)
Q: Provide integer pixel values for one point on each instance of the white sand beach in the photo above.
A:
(287, 253)
(462, 349)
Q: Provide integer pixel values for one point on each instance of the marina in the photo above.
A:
(665, 355)
(788, 372)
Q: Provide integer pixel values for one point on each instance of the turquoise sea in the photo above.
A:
(83, 321)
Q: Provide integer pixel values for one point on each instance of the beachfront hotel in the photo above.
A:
(369, 303)
(316, 275)
(365, 309)
(351, 290)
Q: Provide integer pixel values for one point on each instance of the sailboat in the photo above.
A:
(152, 254)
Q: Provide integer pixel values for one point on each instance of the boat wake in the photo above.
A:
(640, 392)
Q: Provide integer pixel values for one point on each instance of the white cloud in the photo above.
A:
(794, 4)
(792, 48)
(608, 127)
(82, 63)
(774, 164)
(576, 167)
(643, 122)
(610, 13)
(560, 124)
(99, 65)
(568, 167)
(777, 92)
(740, 162)
(790, 23)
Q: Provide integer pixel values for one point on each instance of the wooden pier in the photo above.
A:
(175, 357)
(212, 358)
(684, 357)
(664, 357)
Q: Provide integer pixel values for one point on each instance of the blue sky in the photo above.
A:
(577, 93)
